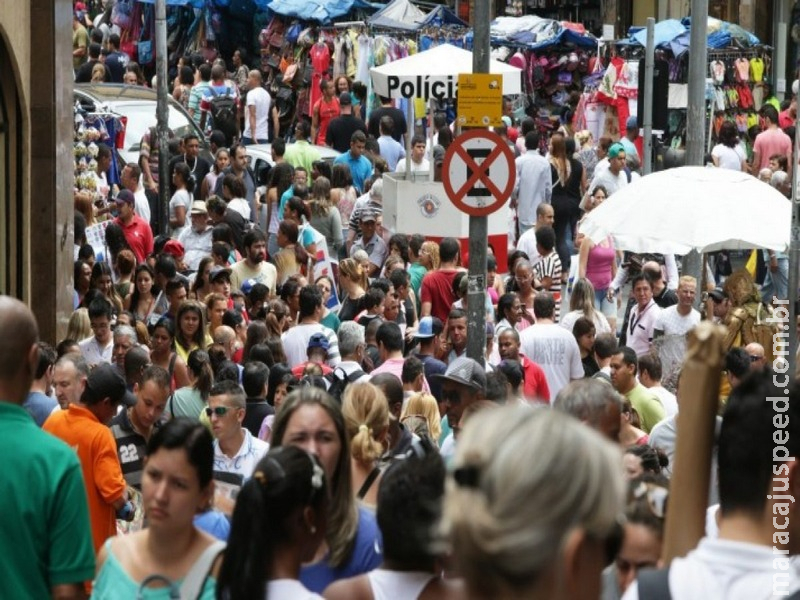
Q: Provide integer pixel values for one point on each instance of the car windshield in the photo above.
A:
(142, 116)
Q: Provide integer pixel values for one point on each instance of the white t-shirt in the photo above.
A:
(671, 322)
(295, 344)
(722, 569)
(612, 183)
(419, 167)
(241, 206)
(93, 354)
(260, 98)
(284, 589)
(729, 158)
(180, 198)
(244, 463)
(555, 350)
(668, 400)
(527, 243)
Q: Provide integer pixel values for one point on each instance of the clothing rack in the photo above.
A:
(738, 52)
(346, 25)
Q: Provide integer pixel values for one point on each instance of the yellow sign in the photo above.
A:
(480, 99)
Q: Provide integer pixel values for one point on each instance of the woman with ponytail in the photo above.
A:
(190, 400)
(366, 417)
(353, 283)
(278, 524)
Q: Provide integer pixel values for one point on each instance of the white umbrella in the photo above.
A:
(434, 74)
(693, 208)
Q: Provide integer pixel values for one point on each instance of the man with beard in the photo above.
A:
(254, 265)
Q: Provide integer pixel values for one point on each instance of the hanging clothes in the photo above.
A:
(364, 50)
(320, 57)
(339, 56)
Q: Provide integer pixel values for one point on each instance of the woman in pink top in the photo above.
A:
(598, 264)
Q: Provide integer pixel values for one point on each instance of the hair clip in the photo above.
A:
(363, 427)
(467, 476)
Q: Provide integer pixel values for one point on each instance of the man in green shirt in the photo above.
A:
(45, 536)
(624, 365)
(301, 153)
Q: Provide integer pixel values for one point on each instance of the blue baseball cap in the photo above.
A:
(428, 328)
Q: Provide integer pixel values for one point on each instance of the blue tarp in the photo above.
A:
(323, 11)
(192, 3)
(565, 36)
(441, 16)
(675, 35)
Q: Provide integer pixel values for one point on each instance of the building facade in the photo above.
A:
(36, 207)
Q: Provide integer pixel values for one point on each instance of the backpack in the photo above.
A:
(223, 113)
(755, 327)
(338, 381)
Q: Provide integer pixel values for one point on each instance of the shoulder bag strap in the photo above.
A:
(368, 483)
(196, 578)
(654, 584)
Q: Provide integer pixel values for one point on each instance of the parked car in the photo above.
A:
(260, 155)
(137, 106)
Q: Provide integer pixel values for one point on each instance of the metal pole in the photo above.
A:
(696, 113)
(647, 117)
(162, 116)
(794, 256)
(478, 226)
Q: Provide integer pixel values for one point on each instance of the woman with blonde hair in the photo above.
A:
(520, 528)
(425, 406)
(366, 417)
(79, 327)
(429, 256)
(325, 217)
(84, 204)
(582, 304)
(353, 283)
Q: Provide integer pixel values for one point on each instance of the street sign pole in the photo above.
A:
(478, 226)
(162, 117)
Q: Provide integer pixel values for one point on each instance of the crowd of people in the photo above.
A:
(275, 398)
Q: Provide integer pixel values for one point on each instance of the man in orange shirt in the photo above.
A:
(84, 426)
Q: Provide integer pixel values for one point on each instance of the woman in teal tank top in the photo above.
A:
(176, 485)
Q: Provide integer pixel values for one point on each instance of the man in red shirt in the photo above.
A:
(534, 386)
(436, 293)
(771, 141)
(137, 231)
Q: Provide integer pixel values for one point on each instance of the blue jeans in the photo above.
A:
(248, 141)
(777, 283)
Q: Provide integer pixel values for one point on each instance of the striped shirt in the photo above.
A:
(550, 266)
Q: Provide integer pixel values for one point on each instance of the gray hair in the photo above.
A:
(351, 336)
(376, 191)
(77, 361)
(587, 400)
(779, 178)
(126, 331)
(509, 506)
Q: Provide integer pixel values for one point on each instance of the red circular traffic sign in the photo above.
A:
(478, 173)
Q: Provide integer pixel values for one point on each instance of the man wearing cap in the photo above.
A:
(256, 115)
(370, 242)
(84, 427)
(614, 178)
(254, 265)
(317, 353)
(463, 384)
(46, 544)
(372, 200)
(129, 179)
(133, 426)
(534, 184)
(428, 332)
(220, 280)
(391, 150)
(360, 167)
(196, 240)
(136, 230)
(341, 128)
(631, 138)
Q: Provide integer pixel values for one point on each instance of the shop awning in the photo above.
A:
(434, 74)
(398, 14)
(322, 11)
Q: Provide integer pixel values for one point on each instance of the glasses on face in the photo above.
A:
(220, 411)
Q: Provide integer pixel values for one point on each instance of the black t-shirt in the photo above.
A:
(237, 223)
(397, 116)
(255, 411)
(201, 169)
(116, 62)
(340, 129)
